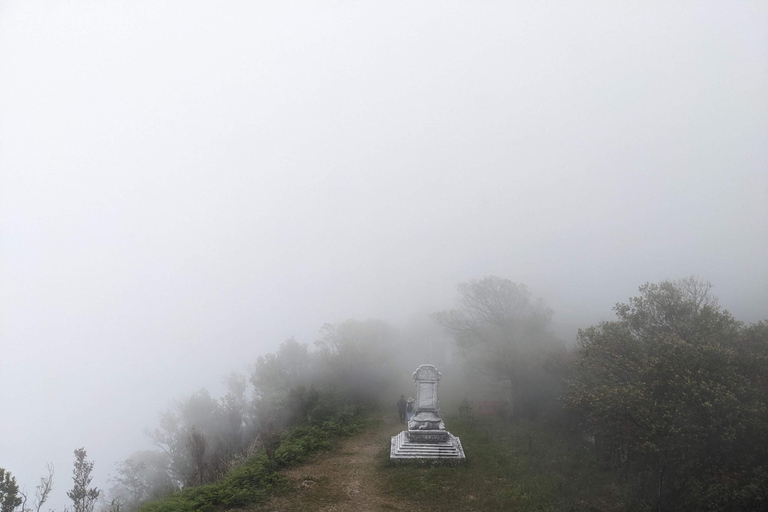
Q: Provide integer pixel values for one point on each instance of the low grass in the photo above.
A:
(256, 479)
(510, 466)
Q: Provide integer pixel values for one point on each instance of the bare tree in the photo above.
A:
(23, 502)
(43, 490)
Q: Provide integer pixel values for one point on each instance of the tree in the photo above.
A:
(142, 477)
(273, 377)
(83, 497)
(43, 490)
(9, 492)
(674, 390)
(203, 414)
(196, 446)
(505, 335)
(356, 357)
(238, 416)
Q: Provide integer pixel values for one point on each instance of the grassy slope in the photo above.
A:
(510, 466)
(257, 478)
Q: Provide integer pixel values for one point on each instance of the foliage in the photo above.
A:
(237, 416)
(505, 335)
(83, 497)
(9, 492)
(142, 477)
(355, 359)
(275, 376)
(196, 446)
(674, 390)
(252, 481)
(201, 434)
(308, 438)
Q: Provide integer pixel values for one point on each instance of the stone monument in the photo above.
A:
(426, 439)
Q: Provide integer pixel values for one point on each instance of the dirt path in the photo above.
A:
(343, 479)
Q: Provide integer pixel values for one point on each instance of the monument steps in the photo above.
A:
(402, 442)
(448, 451)
(404, 450)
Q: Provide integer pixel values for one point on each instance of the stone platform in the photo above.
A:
(427, 447)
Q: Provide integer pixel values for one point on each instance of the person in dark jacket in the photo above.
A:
(409, 408)
(401, 405)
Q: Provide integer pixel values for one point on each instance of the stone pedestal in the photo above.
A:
(406, 451)
(426, 440)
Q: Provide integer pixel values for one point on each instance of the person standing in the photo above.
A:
(401, 405)
(409, 408)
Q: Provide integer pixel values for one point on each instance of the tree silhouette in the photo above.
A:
(83, 498)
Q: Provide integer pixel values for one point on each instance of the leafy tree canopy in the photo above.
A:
(675, 387)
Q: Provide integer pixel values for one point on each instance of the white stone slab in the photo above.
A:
(426, 396)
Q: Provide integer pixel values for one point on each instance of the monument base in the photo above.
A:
(426, 447)
(428, 436)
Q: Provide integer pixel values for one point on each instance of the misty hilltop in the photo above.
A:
(184, 187)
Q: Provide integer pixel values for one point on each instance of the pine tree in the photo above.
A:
(9, 492)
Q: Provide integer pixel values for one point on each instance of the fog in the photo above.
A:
(185, 185)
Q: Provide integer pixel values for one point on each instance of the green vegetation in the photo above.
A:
(674, 392)
(520, 466)
(662, 409)
(259, 475)
(9, 492)
(83, 497)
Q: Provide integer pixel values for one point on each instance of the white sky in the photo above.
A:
(185, 184)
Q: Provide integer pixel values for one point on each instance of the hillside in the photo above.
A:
(509, 466)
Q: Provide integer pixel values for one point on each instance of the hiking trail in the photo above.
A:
(343, 479)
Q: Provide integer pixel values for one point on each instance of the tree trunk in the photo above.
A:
(661, 482)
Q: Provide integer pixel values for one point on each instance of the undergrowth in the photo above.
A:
(258, 477)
